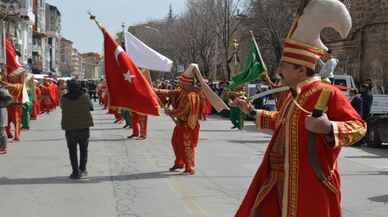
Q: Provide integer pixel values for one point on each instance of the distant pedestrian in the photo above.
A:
(356, 101)
(367, 100)
(76, 121)
(5, 100)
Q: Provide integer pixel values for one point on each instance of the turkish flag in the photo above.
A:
(127, 87)
(12, 60)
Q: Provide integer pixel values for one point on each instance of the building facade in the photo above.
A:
(90, 65)
(76, 63)
(65, 57)
(363, 54)
(39, 38)
(53, 32)
(17, 23)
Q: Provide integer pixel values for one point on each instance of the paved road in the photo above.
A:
(129, 178)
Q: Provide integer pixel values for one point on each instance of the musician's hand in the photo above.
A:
(245, 106)
(320, 125)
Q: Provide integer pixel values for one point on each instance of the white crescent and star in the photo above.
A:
(127, 76)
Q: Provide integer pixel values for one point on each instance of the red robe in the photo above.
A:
(206, 108)
(53, 90)
(186, 132)
(139, 124)
(302, 194)
(47, 103)
(36, 104)
(15, 110)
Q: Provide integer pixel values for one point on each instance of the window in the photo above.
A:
(340, 82)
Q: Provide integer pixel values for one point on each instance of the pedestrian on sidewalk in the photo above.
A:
(5, 100)
(76, 121)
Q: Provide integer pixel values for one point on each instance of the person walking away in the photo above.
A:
(367, 100)
(76, 121)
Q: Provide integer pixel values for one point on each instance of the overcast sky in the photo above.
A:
(77, 27)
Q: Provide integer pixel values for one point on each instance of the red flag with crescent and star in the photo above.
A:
(127, 87)
(12, 59)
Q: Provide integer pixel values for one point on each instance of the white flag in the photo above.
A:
(144, 56)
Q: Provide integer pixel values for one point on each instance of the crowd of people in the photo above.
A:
(24, 99)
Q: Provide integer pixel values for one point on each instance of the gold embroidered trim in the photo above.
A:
(294, 154)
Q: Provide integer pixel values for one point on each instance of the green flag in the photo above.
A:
(253, 68)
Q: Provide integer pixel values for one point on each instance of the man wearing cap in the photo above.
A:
(186, 113)
(299, 174)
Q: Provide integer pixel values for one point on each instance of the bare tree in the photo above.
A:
(202, 32)
(271, 20)
(225, 14)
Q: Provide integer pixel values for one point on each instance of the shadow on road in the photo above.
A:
(103, 122)
(44, 140)
(377, 152)
(104, 129)
(95, 179)
(367, 173)
(107, 139)
(252, 128)
(367, 157)
(90, 140)
(99, 114)
(249, 141)
(380, 199)
(104, 119)
(216, 130)
(46, 130)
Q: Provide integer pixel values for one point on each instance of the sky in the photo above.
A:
(77, 27)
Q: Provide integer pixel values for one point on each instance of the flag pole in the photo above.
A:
(257, 48)
(4, 40)
(92, 17)
(124, 37)
(261, 59)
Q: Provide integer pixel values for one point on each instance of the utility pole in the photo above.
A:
(4, 63)
(226, 35)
